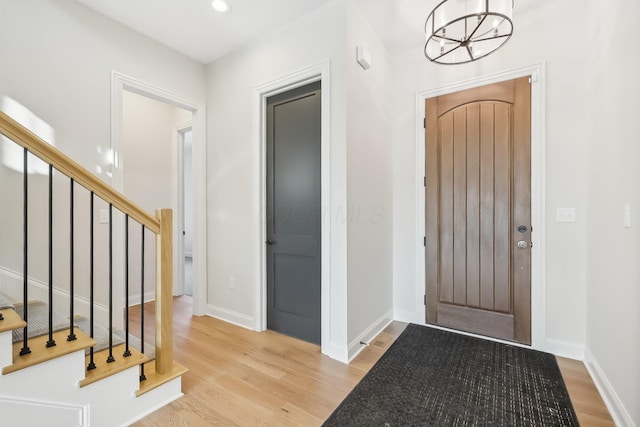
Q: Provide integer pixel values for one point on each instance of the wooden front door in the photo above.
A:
(478, 210)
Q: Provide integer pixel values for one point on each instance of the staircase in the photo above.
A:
(69, 359)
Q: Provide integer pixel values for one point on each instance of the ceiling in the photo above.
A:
(195, 29)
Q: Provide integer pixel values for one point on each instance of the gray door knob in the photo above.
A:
(522, 244)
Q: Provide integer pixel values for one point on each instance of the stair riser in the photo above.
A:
(5, 349)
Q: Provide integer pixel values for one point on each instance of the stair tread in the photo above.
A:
(38, 320)
(40, 353)
(11, 320)
(121, 363)
(155, 379)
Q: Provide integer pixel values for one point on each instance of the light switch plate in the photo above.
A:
(363, 56)
(104, 216)
(626, 215)
(566, 215)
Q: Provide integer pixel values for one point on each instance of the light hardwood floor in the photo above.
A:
(243, 378)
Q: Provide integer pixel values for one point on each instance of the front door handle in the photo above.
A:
(270, 242)
(522, 244)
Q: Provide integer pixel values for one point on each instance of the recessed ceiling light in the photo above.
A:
(221, 6)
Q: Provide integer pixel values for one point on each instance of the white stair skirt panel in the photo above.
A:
(35, 413)
(51, 391)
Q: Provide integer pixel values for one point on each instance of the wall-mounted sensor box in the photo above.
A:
(363, 56)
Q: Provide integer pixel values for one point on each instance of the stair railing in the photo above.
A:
(160, 225)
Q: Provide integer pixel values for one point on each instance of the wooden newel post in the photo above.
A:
(164, 292)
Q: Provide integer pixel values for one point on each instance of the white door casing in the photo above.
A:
(332, 318)
(121, 82)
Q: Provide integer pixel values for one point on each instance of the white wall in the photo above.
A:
(613, 254)
(57, 61)
(233, 164)
(149, 157)
(564, 161)
(369, 184)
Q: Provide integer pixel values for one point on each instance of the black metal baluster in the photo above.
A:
(127, 352)
(72, 335)
(25, 252)
(142, 375)
(92, 364)
(110, 359)
(51, 341)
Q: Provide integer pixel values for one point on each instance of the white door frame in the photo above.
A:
(178, 133)
(318, 72)
(537, 73)
(121, 82)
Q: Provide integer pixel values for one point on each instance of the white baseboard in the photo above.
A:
(231, 316)
(172, 391)
(336, 352)
(616, 408)
(564, 349)
(148, 297)
(355, 347)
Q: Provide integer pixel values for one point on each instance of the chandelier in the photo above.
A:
(460, 31)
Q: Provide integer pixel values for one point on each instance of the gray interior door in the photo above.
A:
(294, 213)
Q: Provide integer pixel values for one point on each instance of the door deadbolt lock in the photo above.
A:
(522, 229)
(522, 244)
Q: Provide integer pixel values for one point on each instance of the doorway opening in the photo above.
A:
(152, 174)
(178, 111)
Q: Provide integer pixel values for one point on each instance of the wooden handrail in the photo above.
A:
(51, 155)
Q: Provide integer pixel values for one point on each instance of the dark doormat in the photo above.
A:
(431, 377)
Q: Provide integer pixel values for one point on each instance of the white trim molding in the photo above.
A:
(565, 349)
(329, 324)
(537, 74)
(230, 316)
(356, 346)
(618, 411)
(136, 300)
(121, 82)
